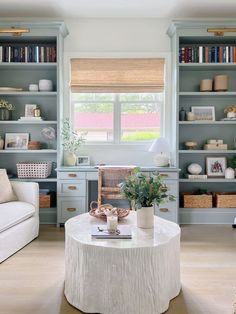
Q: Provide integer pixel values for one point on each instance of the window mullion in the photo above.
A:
(117, 119)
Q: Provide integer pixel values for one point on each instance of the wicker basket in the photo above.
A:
(39, 170)
(197, 201)
(225, 199)
(45, 201)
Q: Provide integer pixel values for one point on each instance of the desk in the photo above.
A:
(134, 276)
(73, 191)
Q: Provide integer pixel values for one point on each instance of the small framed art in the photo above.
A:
(16, 141)
(215, 166)
(83, 161)
(204, 113)
(29, 110)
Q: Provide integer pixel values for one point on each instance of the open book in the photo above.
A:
(101, 232)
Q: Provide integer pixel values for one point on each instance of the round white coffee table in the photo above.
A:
(125, 276)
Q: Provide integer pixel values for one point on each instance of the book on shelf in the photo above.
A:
(207, 54)
(32, 53)
(101, 232)
(196, 176)
(30, 119)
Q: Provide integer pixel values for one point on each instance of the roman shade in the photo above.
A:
(117, 75)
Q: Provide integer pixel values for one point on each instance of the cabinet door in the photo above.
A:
(169, 210)
(70, 207)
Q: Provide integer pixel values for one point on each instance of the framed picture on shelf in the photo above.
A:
(29, 110)
(203, 113)
(83, 161)
(16, 141)
(215, 166)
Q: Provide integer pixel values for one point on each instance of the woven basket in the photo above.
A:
(197, 201)
(39, 170)
(225, 199)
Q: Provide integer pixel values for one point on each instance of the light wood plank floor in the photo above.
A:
(31, 281)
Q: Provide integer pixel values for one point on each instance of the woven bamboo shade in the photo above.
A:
(117, 75)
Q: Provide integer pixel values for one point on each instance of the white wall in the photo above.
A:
(116, 38)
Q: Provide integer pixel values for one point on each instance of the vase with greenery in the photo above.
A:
(71, 142)
(6, 110)
(143, 192)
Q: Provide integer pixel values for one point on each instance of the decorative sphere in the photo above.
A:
(194, 169)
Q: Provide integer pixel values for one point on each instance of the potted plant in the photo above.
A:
(143, 192)
(5, 110)
(71, 142)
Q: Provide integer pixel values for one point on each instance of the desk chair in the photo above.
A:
(108, 180)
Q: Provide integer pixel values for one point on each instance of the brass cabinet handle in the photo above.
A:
(72, 175)
(71, 209)
(71, 187)
(165, 175)
(164, 209)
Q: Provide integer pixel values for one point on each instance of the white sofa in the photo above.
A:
(19, 220)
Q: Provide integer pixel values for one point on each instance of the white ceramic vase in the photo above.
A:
(145, 217)
(70, 159)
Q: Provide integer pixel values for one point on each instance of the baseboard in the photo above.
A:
(207, 215)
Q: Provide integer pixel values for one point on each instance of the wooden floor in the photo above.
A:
(31, 281)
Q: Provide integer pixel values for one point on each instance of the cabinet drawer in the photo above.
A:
(73, 188)
(71, 207)
(71, 175)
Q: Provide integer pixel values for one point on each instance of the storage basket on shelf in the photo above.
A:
(33, 170)
(225, 199)
(196, 201)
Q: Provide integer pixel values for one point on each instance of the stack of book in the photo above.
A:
(24, 119)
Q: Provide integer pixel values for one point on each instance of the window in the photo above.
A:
(117, 100)
(120, 117)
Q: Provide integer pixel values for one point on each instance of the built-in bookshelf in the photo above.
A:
(197, 55)
(26, 59)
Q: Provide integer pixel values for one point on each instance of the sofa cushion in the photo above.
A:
(7, 194)
(13, 213)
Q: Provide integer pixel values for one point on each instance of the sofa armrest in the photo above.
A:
(27, 192)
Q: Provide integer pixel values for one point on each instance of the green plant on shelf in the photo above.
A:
(4, 104)
(232, 162)
(71, 141)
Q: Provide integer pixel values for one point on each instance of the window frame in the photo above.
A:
(168, 116)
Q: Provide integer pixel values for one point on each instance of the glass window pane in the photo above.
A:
(140, 121)
(95, 120)
(137, 97)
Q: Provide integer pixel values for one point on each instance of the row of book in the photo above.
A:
(207, 54)
(32, 53)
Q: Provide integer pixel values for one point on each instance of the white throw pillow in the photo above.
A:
(6, 191)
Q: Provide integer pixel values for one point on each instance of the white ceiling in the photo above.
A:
(118, 8)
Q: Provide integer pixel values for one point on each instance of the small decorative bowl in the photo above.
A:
(190, 145)
(100, 212)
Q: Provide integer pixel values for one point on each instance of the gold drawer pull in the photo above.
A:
(71, 209)
(72, 175)
(165, 175)
(71, 187)
(164, 209)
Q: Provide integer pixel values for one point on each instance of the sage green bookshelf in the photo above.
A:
(19, 73)
(186, 93)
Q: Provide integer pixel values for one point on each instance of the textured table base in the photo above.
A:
(125, 280)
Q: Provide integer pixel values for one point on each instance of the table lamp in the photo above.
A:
(162, 149)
